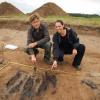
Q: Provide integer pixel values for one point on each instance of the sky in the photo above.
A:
(70, 6)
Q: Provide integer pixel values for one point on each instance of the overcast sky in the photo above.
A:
(70, 6)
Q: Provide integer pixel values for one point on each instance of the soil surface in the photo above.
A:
(69, 80)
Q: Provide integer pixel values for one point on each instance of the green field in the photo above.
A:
(94, 21)
(85, 21)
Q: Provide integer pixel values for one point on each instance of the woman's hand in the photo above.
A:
(74, 52)
(54, 65)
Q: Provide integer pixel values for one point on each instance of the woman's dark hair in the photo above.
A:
(60, 21)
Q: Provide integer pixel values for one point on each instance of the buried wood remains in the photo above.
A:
(29, 86)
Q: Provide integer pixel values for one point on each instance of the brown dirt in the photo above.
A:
(8, 9)
(51, 8)
(69, 86)
(23, 25)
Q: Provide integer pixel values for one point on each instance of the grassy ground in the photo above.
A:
(13, 17)
(91, 21)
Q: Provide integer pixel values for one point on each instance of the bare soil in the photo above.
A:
(69, 80)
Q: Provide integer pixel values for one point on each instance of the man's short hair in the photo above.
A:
(33, 17)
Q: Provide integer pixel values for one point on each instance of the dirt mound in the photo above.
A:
(8, 9)
(50, 9)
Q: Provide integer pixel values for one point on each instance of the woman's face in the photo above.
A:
(59, 27)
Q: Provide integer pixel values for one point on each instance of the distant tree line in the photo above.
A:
(83, 15)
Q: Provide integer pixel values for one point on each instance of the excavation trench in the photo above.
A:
(29, 86)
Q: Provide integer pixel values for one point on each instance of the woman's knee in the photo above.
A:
(81, 48)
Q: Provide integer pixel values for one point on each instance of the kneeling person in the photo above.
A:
(65, 41)
(38, 37)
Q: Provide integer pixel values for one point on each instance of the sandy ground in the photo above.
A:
(69, 86)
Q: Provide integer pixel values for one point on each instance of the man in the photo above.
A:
(38, 37)
(65, 41)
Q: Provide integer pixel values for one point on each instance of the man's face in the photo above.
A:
(59, 27)
(36, 23)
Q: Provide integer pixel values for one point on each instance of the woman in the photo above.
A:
(65, 41)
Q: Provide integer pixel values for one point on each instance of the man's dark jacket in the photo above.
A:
(40, 35)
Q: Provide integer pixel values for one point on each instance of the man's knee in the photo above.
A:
(31, 51)
(26, 50)
(48, 45)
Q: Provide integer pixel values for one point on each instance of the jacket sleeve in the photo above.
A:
(55, 47)
(29, 36)
(46, 36)
(75, 39)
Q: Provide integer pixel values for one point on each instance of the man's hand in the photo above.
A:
(54, 65)
(33, 59)
(32, 45)
(74, 52)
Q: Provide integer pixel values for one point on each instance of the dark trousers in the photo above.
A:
(45, 46)
(78, 57)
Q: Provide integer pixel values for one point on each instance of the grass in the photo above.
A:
(93, 21)
(85, 21)
(14, 17)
